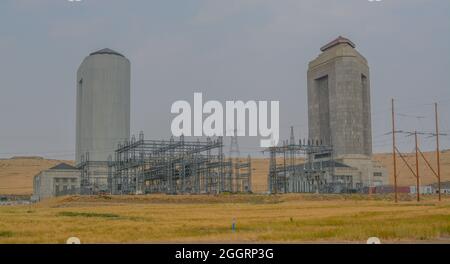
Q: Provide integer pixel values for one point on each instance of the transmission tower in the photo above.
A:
(234, 146)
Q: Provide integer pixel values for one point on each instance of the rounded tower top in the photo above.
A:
(107, 51)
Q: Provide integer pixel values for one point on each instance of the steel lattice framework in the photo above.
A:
(176, 167)
(298, 170)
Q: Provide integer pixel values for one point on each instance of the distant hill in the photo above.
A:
(16, 174)
(406, 178)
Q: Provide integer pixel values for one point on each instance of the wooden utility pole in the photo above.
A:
(417, 167)
(436, 134)
(393, 152)
(438, 150)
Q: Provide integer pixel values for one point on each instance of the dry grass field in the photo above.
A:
(16, 175)
(196, 219)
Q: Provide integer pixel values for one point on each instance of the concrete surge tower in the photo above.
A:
(339, 99)
(103, 104)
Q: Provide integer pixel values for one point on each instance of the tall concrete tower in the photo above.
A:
(103, 104)
(339, 99)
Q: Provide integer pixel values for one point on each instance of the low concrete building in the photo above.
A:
(371, 172)
(432, 188)
(60, 180)
(445, 187)
(423, 189)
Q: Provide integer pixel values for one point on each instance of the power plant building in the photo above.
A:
(62, 179)
(109, 161)
(339, 109)
(339, 99)
(102, 124)
(103, 105)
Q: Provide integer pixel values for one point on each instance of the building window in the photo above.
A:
(323, 116)
(378, 183)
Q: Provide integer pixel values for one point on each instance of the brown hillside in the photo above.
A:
(406, 178)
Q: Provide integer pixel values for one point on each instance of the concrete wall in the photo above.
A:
(339, 110)
(103, 105)
(371, 173)
(343, 173)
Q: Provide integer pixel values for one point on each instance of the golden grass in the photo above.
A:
(260, 218)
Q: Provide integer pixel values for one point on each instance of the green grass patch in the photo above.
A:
(79, 214)
(6, 234)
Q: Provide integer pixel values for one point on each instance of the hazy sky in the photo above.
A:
(227, 49)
